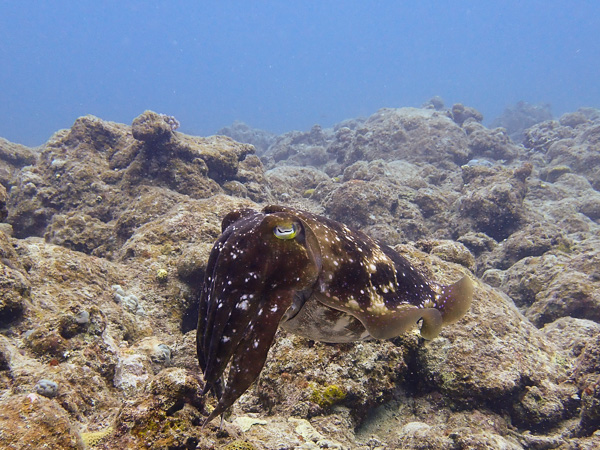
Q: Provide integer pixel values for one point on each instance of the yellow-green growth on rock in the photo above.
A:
(239, 445)
(564, 246)
(93, 438)
(162, 275)
(326, 396)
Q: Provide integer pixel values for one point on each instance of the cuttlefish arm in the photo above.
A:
(248, 359)
(255, 269)
(207, 309)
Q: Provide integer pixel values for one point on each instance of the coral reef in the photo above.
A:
(105, 234)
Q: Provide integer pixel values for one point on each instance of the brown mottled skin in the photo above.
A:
(312, 276)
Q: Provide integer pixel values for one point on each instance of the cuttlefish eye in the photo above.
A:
(286, 231)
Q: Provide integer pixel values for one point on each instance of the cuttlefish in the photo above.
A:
(313, 276)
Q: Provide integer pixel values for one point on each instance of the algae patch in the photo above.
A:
(327, 396)
(239, 445)
(93, 438)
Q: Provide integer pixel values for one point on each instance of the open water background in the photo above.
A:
(281, 65)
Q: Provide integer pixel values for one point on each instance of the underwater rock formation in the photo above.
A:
(518, 118)
(493, 199)
(89, 176)
(105, 235)
(241, 132)
(14, 157)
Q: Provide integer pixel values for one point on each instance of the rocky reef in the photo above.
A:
(105, 233)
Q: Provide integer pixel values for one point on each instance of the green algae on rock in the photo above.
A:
(327, 396)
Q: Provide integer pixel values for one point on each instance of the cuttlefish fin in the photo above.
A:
(451, 304)
(455, 299)
(390, 324)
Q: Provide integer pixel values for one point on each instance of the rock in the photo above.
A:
(571, 335)
(447, 250)
(288, 181)
(573, 119)
(525, 279)
(144, 209)
(15, 290)
(166, 413)
(531, 240)
(493, 199)
(590, 410)
(573, 147)
(131, 374)
(590, 206)
(494, 144)
(436, 103)
(361, 203)
(487, 357)
(418, 434)
(158, 352)
(47, 388)
(296, 376)
(192, 263)
(301, 148)
(175, 386)
(478, 242)
(586, 374)
(81, 232)
(3, 200)
(559, 283)
(33, 421)
(461, 113)
(153, 127)
(586, 366)
(425, 422)
(72, 324)
(541, 407)
(518, 118)
(13, 157)
(407, 133)
(541, 136)
(90, 178)
(241, 132)
(431, 201)
(568, 294)
(554, 173)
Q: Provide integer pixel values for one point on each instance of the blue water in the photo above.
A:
(283, 65)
